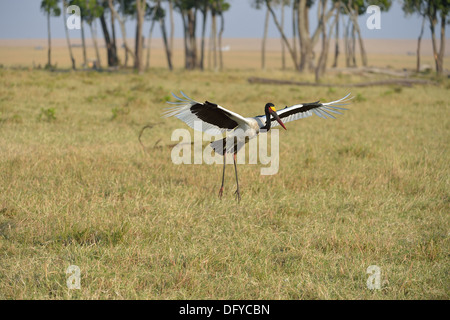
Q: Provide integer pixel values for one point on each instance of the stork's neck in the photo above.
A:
(268, 122)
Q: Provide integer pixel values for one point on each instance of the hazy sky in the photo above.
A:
(23, 19)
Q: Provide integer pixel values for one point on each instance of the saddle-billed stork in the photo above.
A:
(216, 120)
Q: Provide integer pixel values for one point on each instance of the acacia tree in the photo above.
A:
(140, 12)
(126, 8)
(221, 7)
(416, 6)
(283, 4)
(204, 8)
(188, 11)
(69, 45)
(322, 62)
(93, 11)
(290, 48)
(149, 15)
(51, 8)
(111, 48)
(336, 45)
(307, 40)
(258, 4)
(83, 5)
(217, 8)
(354, 8)
(430, 10)
(434, 9)
(157, 13)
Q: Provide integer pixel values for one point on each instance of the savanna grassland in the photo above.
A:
(77, 188)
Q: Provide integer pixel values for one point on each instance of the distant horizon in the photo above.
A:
(372, 46)
(24, 20)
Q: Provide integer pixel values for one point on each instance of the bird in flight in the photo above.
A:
(216, 120)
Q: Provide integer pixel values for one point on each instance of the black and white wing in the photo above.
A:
(214, 118)
(304, 110)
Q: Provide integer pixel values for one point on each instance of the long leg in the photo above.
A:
(238, 194)
(223, 175)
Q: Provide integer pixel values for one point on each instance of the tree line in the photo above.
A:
(335, 17)
(108, 12)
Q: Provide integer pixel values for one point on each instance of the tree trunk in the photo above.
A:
(291, 51)
(110, 47)
(172, 26)
(94, 40)
(166, 44)
(305, 43)
(222, 28)
(263, 47)
(440, 69)
(361, 45)
(283, 50)
(214, 40)
(316, 35)
(202, 54)
(354, 16)
(67, 35)
(324, 39)
(347, 43)
(123, 31)
(140, 11)
(83, 43)
(113, 34)
(190, 45)
(49, 61)
(186, 44)
(192, 24)
(418, 44)
(327, 45)
(433, 40)
(353, 46)
(336, 46)
(149, 39)
(321, 64)
(294, 31)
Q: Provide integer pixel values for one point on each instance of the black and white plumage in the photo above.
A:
(216, 120)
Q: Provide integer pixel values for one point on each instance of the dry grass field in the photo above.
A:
(77, 188)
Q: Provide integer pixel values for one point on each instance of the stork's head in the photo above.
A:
(271, 111)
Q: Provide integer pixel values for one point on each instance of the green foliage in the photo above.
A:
(92, 10)
(15, 118)
(426, 8)
(51, 7)
(48, 114)
(362, 5)
(359, 97)
(216, 6)
(119, 112)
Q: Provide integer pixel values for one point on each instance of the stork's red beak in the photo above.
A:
(273, 112)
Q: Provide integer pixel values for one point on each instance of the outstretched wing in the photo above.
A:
(214, 118)
(304, 110)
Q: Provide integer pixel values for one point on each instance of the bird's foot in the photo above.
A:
(238, 195)
(220, 192)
